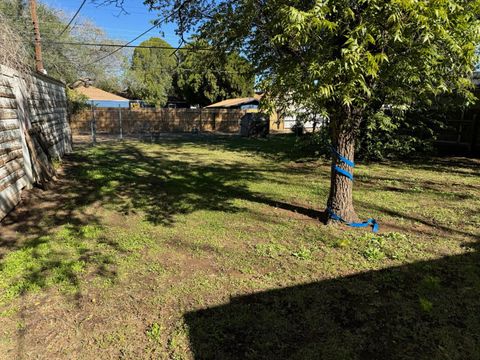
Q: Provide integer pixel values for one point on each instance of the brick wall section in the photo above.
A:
(157, 120)
(34, 131)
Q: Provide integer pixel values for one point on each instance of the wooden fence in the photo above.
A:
(134, 122)
(34, 131)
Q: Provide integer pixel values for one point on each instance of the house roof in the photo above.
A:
(94, 93)
(232, 102)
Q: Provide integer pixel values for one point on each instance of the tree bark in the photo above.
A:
(340, 200)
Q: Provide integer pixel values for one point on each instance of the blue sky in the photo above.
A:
(118, 26)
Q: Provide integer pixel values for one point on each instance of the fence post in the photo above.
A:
(93, 126)
(120, 121)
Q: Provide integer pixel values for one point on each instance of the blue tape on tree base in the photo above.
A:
(370, 222)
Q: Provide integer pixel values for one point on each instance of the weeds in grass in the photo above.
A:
(342, 243)
(303, 253)
(271, 249)
(431, 283)
(391, 245)
(374, 248)
(425, 304)
(154, 333)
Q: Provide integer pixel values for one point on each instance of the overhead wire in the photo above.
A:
(120, 47)
(155, 25)
(128, 44)
(73, 18)
(193, 48)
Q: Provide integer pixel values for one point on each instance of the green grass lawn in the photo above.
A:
(212, 248)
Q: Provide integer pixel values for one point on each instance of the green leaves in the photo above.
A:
(342, 55)
(151, 74)
(205, 77)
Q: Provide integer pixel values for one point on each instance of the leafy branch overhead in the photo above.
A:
(355, 54)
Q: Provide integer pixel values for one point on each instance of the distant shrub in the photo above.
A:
(314, 144)
(381, 138)
(76, 101)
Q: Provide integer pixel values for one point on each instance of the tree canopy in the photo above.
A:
(346, 59)
(196, 73)
(205, 75)
(151, 73)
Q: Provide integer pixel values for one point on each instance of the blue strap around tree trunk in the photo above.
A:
(370, 222)
(345, 161)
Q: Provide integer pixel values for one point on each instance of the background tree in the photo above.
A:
(151, 73)
(64, 61)
(351, 59)
(14, 53)
(206, 76)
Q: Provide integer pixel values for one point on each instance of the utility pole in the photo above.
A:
(38, 44)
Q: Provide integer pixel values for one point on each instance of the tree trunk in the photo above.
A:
(340, 200)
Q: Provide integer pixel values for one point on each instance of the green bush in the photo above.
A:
(76, 101)
(412, 134)
(381, 138)
(314, 144)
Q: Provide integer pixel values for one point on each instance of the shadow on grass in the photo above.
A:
(278, 146)
(320, 215)
(428, 222)
(426, 310)
(459, 165)
(62, 237)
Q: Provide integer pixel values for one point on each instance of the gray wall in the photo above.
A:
(34, 131)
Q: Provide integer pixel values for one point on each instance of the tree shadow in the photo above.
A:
(276, 147)
(314, 214)
(456, 165)
(125, 178)
(425, 310)
(409, 216)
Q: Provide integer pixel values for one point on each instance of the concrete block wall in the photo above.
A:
(34, 131)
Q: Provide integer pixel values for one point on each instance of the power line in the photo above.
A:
(130, 46)
(178, 69)
(156, 24)
(120, 47)
(73, 18)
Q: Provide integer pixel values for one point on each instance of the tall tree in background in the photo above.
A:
(151, 73)
(346, 58)
(206, 76)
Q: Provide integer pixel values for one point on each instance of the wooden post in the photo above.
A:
(38, 45)
(120, 121)
(93, 126)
